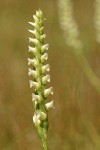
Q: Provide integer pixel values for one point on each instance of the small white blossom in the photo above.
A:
(44, 57)
(43, 36)
(32, 23)
(33, 40)
(36, 120)
(36, 97)
(39, 13)
(33, 62)
(45, 68)
(34, 84)
(32, 49)
(41, 115)
(45, 47)
(46, 79)
(32, 73)
(49, 105)
(48, 91)
(32, 31)
(35, 18)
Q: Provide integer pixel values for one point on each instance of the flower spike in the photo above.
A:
(38, 72)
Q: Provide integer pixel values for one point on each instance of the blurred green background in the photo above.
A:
(75, 121)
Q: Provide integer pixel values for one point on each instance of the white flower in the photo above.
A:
(32, 49)
(33, 62)
(32, 31)
(45, 68)
(43, 36)
(32, 73)
(41, 115)
(33, 40)
(39, 13)
(34, 84)
(36, 97)
(49, 105)
(48, 91)
(45, 47)
(44, 57)
(32, 23)
(46, 79)
(35, 18)
(36, 120)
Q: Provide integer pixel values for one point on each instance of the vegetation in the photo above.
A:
(75, 122)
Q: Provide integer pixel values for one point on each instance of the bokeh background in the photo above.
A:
(75, 121)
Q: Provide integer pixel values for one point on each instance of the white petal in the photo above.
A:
(36, 97)
(46, 79)
(43, 36)
(34, 84)
(32, 23)
(45, 47)
(32, 72)
(44, 57)
(36, 34)
(33, 62)
(48, 91)
(32, 31)
(49, 105)
(45, 68)
(30, 61)
(36, 120)
(32, 49)
(39, 13)
(35, 18)
(33, 40)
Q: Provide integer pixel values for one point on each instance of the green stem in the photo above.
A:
(44, 143)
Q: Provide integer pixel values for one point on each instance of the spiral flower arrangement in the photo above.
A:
(40, 76)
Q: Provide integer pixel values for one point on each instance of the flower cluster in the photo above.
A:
(68, 24)
(97, 19)
(38, 71)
